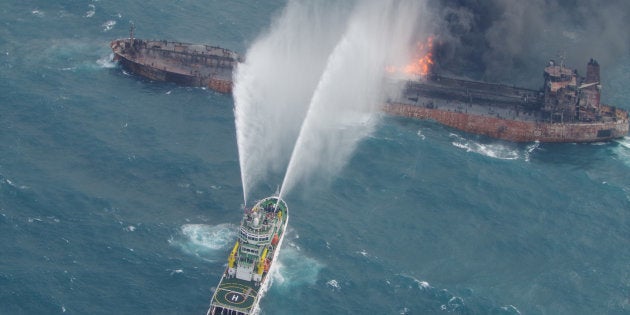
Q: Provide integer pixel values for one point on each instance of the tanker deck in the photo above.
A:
(475, 98)
(181, 63)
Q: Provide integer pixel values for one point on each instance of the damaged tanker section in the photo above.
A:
(566, 109)
(180, 63)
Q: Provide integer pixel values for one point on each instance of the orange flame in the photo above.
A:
(422, 65)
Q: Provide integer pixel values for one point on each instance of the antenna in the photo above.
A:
(132, 27)
(562, 57)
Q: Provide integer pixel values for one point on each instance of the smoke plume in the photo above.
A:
(510, 40)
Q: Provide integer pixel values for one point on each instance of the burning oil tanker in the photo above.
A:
(566, 109)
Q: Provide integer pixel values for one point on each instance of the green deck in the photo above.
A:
(244, 298)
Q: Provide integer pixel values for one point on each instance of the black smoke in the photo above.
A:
(511, 40)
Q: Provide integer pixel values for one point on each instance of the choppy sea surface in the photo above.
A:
(119, 195)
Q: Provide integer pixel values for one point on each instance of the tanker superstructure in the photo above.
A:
(181, 63)
(255, 252)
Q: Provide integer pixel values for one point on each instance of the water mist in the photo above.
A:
(344, 106)
(311, 86)
(274, 85)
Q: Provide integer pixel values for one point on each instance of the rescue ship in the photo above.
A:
(247, 275)
(181, 63)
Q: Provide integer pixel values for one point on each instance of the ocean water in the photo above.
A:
(119, 195)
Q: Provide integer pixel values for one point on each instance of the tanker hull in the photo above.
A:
(180, 63)
(514, 130)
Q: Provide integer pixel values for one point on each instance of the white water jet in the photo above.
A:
(317, 73)
(274, 85)
(345, 104)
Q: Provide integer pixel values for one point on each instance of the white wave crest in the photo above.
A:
(530, 149)
(493, 150)
(624, 142)
(90, 13)
(454, 303)
(334, 284)
(623, 150)
(106, 61)
(11, 183)
(510, 309)
(108, 25)
(420, 135)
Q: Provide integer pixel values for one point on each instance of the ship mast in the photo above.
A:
(562, 56)
(131, 29)
(132, 41)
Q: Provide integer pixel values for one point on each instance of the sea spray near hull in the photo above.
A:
(205, 241)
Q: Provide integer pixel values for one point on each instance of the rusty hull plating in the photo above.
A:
(181, 63)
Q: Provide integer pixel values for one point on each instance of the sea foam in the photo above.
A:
(622, 151)
(295, 269)
(493, 150)
(90, 13)
(205, 241)
(106, 61)
(108, 25)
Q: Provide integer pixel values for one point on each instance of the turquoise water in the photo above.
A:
(120, 196)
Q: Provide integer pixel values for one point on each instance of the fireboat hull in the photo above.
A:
(239, 291)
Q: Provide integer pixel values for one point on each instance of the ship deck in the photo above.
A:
(472, 108)
(473, 98)
(180, 58)
(236, 294)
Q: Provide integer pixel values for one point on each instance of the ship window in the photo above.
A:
(250, 250)
(604, 133)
